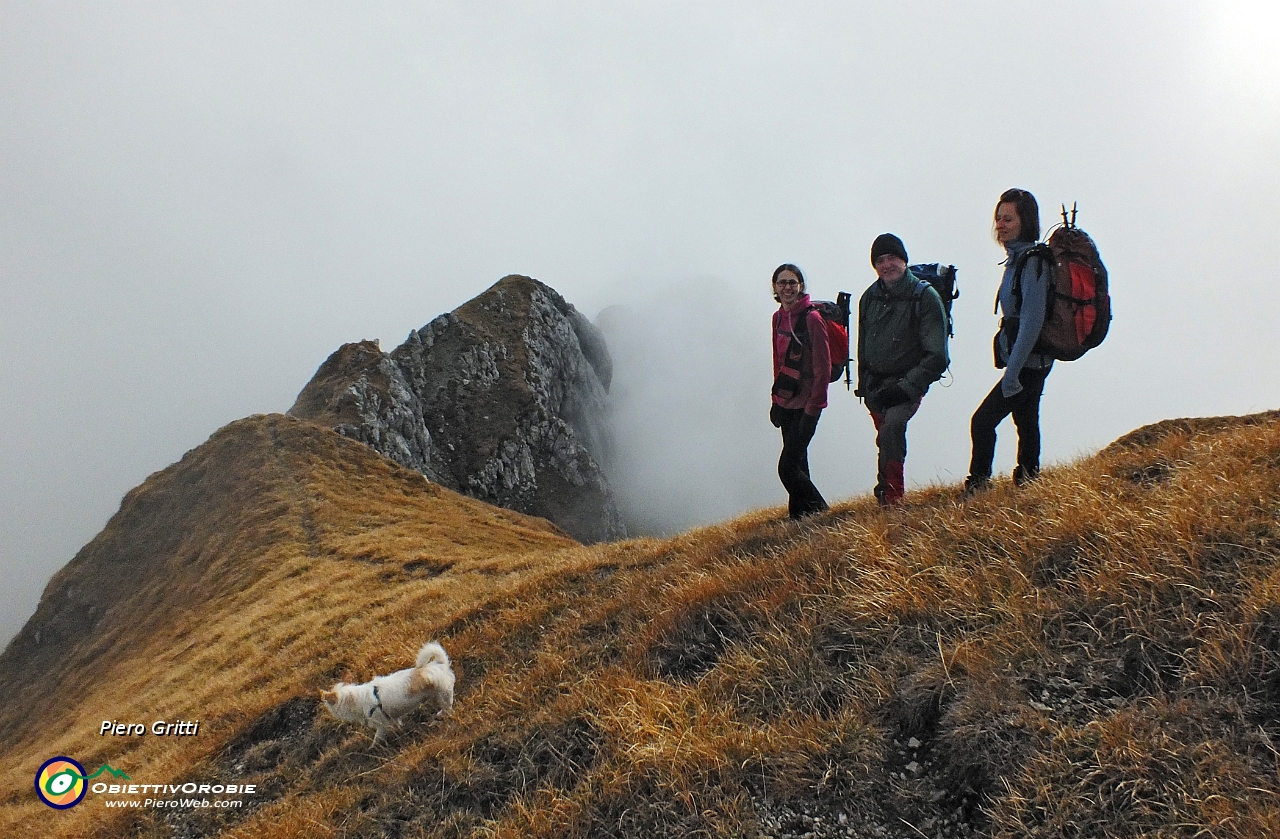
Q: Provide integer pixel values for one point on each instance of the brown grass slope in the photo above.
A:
(1095, 655)
(261, 563)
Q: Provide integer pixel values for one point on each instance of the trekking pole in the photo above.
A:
(1064, 216)
(1073, 214)
(843, 301)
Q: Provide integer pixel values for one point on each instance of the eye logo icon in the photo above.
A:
(61, 782)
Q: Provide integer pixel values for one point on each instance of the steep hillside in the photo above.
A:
(262, 560)
(1095, 655)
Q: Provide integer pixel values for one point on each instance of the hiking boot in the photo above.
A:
(975, 484)
(1023, 475)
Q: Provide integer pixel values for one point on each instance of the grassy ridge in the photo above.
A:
(1095, 655)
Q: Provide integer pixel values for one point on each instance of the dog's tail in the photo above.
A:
(432, 652)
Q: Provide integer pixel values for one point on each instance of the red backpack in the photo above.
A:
(835, 316)
(1078, 303)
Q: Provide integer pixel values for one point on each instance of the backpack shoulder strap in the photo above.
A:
(917, 294)
(805, 317)
(1041, 250)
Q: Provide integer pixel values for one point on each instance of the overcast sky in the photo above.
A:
(200, 201)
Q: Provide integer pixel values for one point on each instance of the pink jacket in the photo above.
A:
(813, 383)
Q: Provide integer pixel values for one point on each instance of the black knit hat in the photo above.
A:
(887, 243)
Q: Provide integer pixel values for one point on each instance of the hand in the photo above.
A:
(891, 395)
(1010, 386)
(775, 415)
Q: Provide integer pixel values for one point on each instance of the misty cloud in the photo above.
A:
(200, 202)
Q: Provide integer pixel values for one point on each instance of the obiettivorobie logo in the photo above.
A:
(61, 782)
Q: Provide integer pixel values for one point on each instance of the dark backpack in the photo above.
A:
(943, 279)
(1078, 303)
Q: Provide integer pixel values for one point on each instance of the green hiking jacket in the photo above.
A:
(901, 338)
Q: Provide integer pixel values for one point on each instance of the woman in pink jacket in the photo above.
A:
(801, 370)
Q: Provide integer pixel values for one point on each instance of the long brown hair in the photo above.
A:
(1028, 213)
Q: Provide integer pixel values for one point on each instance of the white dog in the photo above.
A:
(382, 702)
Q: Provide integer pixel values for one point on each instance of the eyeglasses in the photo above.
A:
(787, 282)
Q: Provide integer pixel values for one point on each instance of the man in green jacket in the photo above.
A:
(902, 349)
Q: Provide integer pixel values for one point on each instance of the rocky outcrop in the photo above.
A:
(502, 399)
(362, 393)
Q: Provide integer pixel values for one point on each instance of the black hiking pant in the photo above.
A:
(793, 466)
(1025, 408)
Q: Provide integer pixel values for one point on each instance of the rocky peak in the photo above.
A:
(502, 399)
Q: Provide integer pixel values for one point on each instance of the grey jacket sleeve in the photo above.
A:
(856, 345)
(1035, 288)
(932, 332)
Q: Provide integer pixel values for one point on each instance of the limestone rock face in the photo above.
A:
(502, 399)
(362, 394)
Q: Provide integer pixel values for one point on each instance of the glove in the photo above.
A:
(891, 395)
(775, 415)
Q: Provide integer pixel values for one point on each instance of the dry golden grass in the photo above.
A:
(1095, 655)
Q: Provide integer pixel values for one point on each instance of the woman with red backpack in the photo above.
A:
(1024, 290)
(801, 371)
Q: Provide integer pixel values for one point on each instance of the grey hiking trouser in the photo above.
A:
(891, 432)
